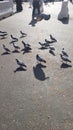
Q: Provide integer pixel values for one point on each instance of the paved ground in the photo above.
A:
(40, 98)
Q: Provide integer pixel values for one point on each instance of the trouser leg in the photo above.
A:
(38, 10)
(33, 12)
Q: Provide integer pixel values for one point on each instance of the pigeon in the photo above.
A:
(40, 59)
(52, 52)
(3, 32)
(23, 34)
(25, 44)
(14, 38)
(42, 44)
(52, 38)
(64, 53)
(65, 58)
(3, 35)
(26, 48)
(5, 48)
(52, 48)
(15, 46)
(20, 63)
(47, 41)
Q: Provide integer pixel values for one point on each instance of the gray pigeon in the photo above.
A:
(5, 48)
(40, 59)
(52, 38)
(25, 44)
(52, 52)
(15, 46)
(20, 63)
(43, 45)
(14, 38)
(22, 33)
(65, 59)
(64, 53)
(3, 32)
(3, 35)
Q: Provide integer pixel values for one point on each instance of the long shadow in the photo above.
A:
(39, 73)
(26, 52)
(64, 65)
(5, 53)
(19, 69)
(15, 51)
(3, 18)
(43, 48)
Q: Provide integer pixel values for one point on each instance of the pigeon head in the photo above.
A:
(17, 60)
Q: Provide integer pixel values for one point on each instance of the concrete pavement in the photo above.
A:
(40, 98)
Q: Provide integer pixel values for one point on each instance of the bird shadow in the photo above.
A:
(23, 36)
(15, 51)
(52, 48)
(19, 69)
(43, 48)
(39, 73)
(26, 52)
(13, 41)
(3, 38)
(5, 53)
(64, 65)
(51, 41)
(52, 52)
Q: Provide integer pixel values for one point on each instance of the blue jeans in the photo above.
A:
(36, 6)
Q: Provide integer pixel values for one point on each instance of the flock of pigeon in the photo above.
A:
(48, 44)
(27, 48)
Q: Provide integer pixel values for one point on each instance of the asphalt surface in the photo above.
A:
(40, 96)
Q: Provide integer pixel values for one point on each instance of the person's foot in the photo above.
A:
(39, 18)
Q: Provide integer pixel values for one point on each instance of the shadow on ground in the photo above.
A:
(5, 53)
(39, 73)
(64, 20)
(64, 65)
(19, 69)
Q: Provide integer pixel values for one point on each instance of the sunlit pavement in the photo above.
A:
(38, 97)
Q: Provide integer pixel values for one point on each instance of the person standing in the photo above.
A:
(36, 6)
(71, 1)
(19, 7)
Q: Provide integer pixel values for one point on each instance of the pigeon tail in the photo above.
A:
(44, 61)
